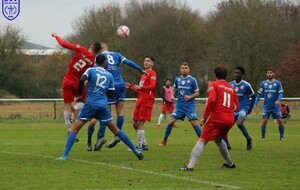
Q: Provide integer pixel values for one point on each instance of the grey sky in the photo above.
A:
(39, 18)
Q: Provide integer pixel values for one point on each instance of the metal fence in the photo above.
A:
(39, 109)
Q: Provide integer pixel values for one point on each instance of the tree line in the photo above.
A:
(255, 34)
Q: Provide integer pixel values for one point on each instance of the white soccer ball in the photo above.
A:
(123, 31)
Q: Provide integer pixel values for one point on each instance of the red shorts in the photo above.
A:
(214, 128)
(142, 113)
(70, 91)
(167, 108)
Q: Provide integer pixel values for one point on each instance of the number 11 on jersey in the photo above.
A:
(226, 100)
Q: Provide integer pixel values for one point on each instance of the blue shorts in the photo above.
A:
(241, 113)
(92, 111)
(120, 91)
(185, 111)
(275, 112)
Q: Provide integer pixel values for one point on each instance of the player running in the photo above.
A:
(273, 92)
(80, 62)
(100, 85)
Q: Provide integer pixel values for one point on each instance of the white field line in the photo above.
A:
(135, 170)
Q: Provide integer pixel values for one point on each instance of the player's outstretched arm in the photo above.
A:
(133, 65)
(65, 44)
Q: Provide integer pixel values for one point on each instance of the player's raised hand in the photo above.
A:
(54, 34)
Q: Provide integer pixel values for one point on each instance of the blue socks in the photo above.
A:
(120, 121)
(90, 133)
(245, 132)
(168, 131)
(263, 131)
(281, 131)
(102, 126)
(101, 131)
(69, 143)
(280, 128)
(122, 135)
(197, 130)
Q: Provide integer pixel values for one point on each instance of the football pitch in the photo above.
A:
(28, 150)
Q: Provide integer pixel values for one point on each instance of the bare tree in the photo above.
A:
(12, 69)
(253, 33)
(289, 72)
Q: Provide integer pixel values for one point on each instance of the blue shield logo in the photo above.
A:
(10, 9)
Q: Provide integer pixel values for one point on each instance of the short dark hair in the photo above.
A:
(96, 47)
(150, 57)
(100, 60)
(167, 80)
(241, 69)
(220, 72)
(271, 69)
(185, 64)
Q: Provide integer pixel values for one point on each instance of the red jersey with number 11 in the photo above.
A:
(222, 101)
(80, 62)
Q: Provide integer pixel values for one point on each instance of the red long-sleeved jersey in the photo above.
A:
(147, 91)
(80, 62)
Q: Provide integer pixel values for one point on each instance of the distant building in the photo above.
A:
(38, 52)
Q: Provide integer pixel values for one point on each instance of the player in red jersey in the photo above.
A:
(218, 118)
(146, 90)
(80, 62)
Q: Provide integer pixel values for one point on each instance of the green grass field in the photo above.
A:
(28, 150)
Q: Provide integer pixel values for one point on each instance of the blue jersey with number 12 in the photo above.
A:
(99, 82)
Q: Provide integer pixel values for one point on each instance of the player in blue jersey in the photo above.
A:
(100, 85)
(246, 97)
(113, 60)
(187, 90)
(273, 92)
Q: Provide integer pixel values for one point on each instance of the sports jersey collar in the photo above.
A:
(101, 68)
(239, 82)
(185, 77)
(271, 81)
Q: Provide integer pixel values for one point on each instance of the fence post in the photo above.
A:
(54, 103)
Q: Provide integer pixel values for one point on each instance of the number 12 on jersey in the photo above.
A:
(101, 81)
